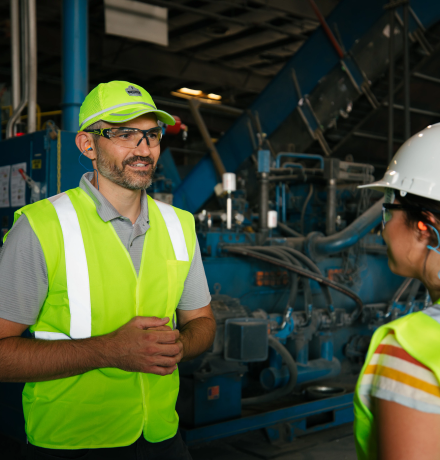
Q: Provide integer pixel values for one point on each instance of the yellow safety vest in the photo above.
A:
(94, 290)
(419, 335)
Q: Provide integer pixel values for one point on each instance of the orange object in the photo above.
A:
(422, 226)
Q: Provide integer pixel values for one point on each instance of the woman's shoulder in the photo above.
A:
(394, 375)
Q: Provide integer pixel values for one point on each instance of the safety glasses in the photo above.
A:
(388, 207)
(130, 137)
(386, 211)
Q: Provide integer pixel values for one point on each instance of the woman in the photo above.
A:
(397, 398)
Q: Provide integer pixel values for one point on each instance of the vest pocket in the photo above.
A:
(177, 271)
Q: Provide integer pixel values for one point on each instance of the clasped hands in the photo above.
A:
(146, 344)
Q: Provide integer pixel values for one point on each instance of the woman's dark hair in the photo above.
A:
(419, 206)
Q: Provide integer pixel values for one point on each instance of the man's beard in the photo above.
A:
(132, 180)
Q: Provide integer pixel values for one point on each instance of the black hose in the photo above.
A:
(249, 252)
(313, 267)
(280, 392)
(303, 211)
(286, 229)
(294, 278)
(308, 299)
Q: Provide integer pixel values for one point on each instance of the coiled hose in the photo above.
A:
(278, 252)
(314, 268)
(249, 252)
(280, 392)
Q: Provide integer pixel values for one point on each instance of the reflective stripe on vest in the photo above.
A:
(433, 312)
(78, 287)
(175, 230)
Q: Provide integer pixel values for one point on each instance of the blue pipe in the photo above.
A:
(325, 245)
(283, 204)
(302, 156)
(75, 61)
(292, 165)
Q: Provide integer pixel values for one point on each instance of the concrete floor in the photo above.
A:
(333, 444)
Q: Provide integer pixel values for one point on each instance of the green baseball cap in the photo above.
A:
(118, 102)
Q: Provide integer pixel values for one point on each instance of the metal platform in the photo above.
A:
(288, 422)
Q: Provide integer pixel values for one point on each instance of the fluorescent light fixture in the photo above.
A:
(216, 97)
(191, 92)
(201, 98)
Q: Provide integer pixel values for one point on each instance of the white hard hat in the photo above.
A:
(415, 168)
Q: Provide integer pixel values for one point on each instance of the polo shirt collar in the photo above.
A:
(104, 208)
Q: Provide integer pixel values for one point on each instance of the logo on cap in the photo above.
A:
(132, 91)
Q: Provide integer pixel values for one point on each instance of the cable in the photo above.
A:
(313, 267)
(286, 229)
(294, 281)
(279, 393)
(308, 299)
(303, 210)
(246, 251)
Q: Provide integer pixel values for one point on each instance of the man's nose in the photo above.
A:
(143, 148)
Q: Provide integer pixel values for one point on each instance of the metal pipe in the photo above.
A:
(327, 29)
(406, 73)
(284, 204)
(218, 163)
(284, 391)
(429, 113)
(391, 89)
(320, 245)
(264, 200)
(24, 70)
(330, 224)
(302, 156)
(32, 71)
(426, 77)
(376, 137)
(229, 212)
(15, 52)
(75, 60)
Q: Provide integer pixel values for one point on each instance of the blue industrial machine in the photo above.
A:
(296, 300)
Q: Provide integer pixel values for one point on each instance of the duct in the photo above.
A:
(194, 107)
(75, 60)
(24, 70)
(318, 245)
(15, 52)
(31, 76)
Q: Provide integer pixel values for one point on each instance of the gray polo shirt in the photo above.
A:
(23, 271)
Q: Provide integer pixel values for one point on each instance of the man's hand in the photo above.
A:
(145, 344)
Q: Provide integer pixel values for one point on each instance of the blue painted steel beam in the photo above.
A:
(315, 59)
(266, 419)
(75, 60)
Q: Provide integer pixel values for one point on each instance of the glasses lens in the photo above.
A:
(131, 137)
(126, 137)
(386, 216)
(154, 136)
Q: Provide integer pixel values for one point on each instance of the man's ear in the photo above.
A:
(86, 145)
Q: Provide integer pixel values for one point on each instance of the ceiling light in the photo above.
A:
(191, 92)
(216, 97)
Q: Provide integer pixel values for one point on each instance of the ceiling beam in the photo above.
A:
(145, 59)
(235, 20)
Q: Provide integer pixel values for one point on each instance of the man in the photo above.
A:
(98, 272)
